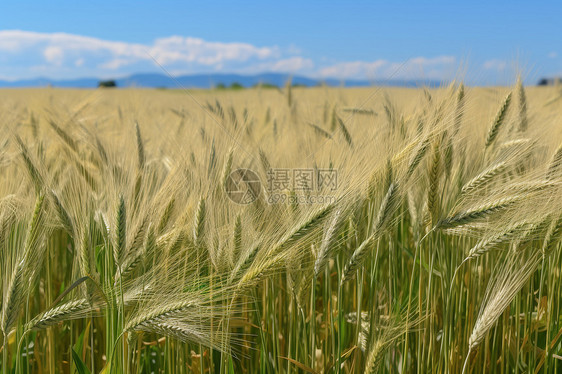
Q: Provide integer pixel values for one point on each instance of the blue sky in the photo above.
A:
(482, 42)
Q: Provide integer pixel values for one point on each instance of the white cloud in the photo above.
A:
(294, 64)
(58, 48)
(54, 55)
(552, 54)
(186, 49)
(495, 64)
(441, 67)
(63, 55)
(115, 64)
(352, 69)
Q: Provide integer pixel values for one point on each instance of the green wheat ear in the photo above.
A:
(523, 122)
(199, 226)
(498, 121)
(140, 147)
(120, 231)
(25, 272)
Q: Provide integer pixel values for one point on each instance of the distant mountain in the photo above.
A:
(155, 80)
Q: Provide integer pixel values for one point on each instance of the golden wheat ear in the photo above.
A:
(509, 279)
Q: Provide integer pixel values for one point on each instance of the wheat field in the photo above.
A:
(428, 239)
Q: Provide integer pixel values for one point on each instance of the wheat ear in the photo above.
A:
(479, 212)
(381, 220)
(499, 120)
(484, 177)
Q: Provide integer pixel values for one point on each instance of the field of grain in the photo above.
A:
(428, 239)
